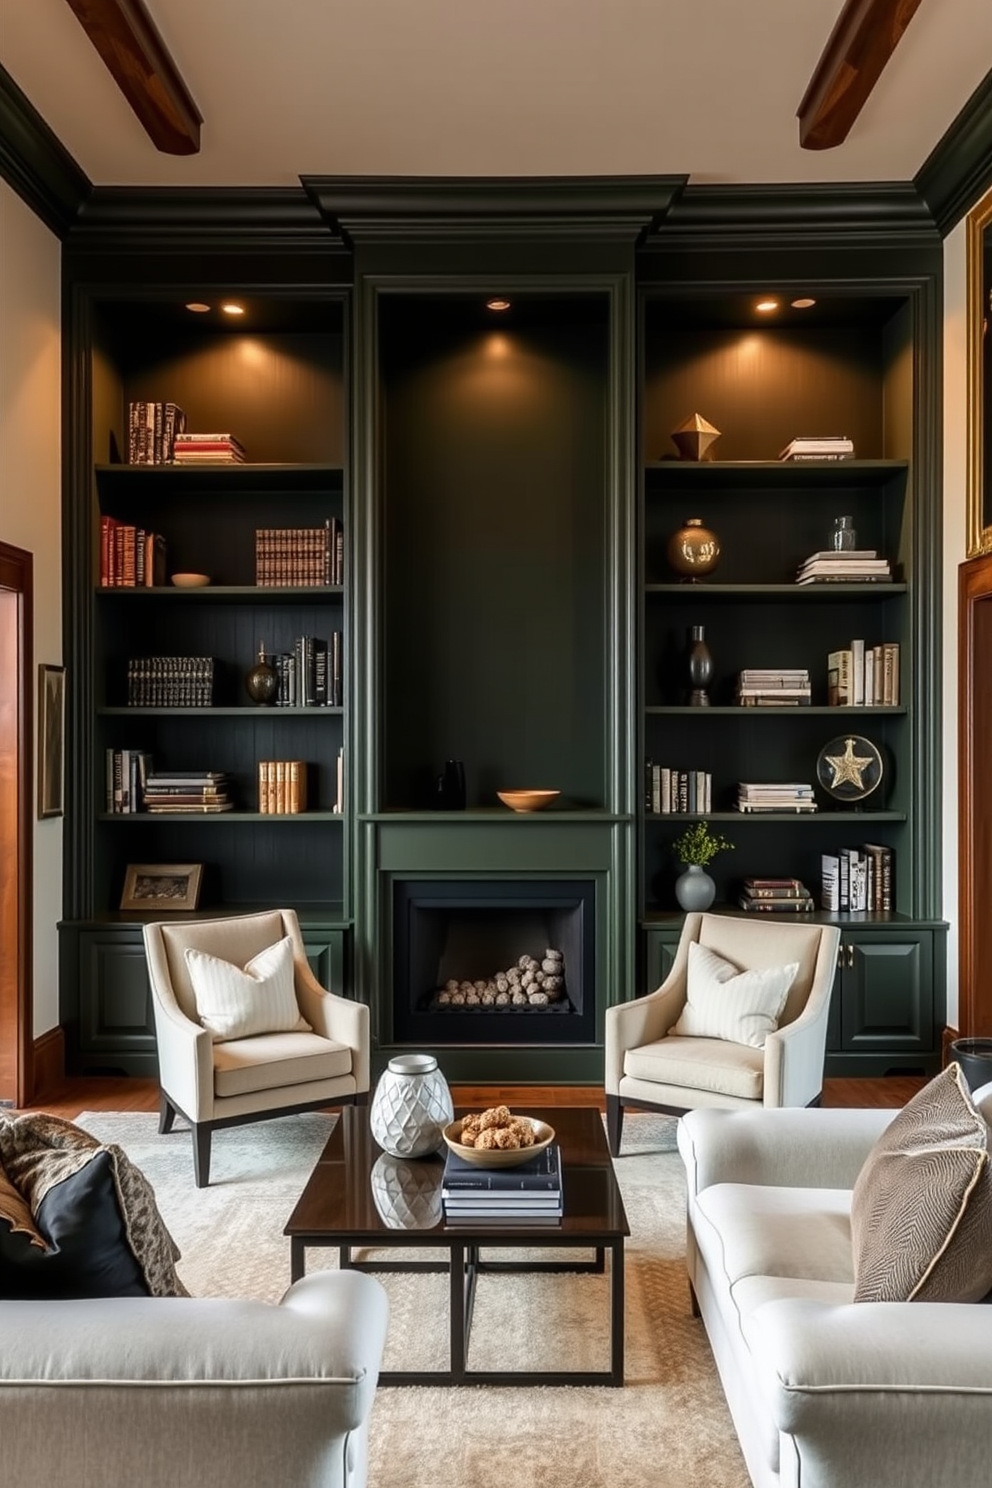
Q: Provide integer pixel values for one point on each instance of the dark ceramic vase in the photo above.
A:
(451, 786)
(699, 667)
(262, 682)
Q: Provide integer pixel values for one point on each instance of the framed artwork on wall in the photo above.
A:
(162, 887)
(51, 740)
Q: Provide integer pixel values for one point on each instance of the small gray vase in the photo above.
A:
(694, 889)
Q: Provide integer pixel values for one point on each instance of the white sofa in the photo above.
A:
(824, 1392)
(171, 1392)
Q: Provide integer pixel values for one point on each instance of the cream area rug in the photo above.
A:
(669, 1426)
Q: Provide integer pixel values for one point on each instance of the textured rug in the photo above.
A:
(667, 1428)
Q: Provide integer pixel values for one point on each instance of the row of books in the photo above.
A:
(130, 557)
(312, 674)
(152, 430)
(819, 447)
(858, 878)
(126, 773)
(859, 675)
(170, 681)
(674, 791)
(757, 796)
(775, 896)
(282, 787)
(530, 1193)
(188, 792)
(208, 449)
(856, 566)
(773, 687)
(300, 557)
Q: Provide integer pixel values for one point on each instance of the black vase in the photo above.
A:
(451, 786)
(699, 667)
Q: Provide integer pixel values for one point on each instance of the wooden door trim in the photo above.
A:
(974, 803)
(17, 836)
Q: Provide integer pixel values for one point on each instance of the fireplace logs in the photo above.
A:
(529, 984)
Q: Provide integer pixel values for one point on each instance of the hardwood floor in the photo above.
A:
(103, 1093)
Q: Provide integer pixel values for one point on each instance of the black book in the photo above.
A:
(540, 1175)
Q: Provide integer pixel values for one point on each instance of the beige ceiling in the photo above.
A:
(707, 88)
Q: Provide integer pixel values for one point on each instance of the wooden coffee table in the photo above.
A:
(337, 1208)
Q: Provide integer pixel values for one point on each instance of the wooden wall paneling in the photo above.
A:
(975, 796)
(16, 824)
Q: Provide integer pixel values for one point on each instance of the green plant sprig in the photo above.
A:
(698, 845)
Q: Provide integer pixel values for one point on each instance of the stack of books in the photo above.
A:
(130, 557)
(529, 1194)
(819, 447)
(282, 787)
(170, 681)
(208, 449)
(858, 566)
(774, 796)
(300, 557)
(669, 791)
(185, 792)
(773, 687)
(152, 429)
(312, 674)
(858, 878)
(863, 676)
(776, 896)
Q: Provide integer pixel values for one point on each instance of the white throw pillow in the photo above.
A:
(235, 1003)
(724, 1002)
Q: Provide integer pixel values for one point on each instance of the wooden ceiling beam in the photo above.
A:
(865, 36)
(126, 38)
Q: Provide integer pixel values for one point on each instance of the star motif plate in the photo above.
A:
(850, 768)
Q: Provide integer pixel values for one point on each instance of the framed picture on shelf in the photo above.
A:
(51, 740)
(162, 887)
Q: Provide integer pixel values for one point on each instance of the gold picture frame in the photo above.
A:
(51, 740)
(162, 887)
(978, 537)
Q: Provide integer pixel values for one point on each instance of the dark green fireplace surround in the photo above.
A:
(501, 484)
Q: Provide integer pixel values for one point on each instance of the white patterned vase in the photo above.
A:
(406, 1194)
(411, 1106)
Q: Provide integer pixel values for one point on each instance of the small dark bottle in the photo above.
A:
(699, 667)
(451, 786)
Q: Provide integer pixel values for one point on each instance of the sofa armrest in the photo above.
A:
(790, 1147)
(337, 1018)
(905, 1387)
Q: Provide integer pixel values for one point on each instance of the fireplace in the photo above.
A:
(494, 961)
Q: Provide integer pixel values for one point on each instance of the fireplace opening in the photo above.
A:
(493, 962)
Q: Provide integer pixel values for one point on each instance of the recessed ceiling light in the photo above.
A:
(803, 304)
(766, 305)
(497, 304)
(232, 309)
(197, 308)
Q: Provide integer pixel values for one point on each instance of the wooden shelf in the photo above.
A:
(777, 818)
(228, 593)
(246, 710)
(792, 593)
(222, 480)
(185, 817)
(740, 474)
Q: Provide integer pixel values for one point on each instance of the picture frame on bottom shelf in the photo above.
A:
(162, 887)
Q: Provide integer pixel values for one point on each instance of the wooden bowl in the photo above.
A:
(190, 580)
(527, 800)
(499, 1157)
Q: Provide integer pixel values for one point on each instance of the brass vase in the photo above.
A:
(262, 682)
(694, 550)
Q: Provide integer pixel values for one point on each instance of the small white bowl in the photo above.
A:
(190, 580)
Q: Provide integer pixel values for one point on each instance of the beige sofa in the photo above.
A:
(170, 1392)
(824, 1392)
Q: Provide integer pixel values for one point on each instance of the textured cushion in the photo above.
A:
(724, 1002)
(235, 1003)
(921, 1210)
(276, 1059)
(699, 1064)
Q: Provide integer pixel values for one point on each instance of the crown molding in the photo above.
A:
(958, 170)
(140, 219)
(445, 208)
(35, 163)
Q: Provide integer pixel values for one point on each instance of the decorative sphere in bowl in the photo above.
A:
(527, 800)
(190, 580)
(499, 1157)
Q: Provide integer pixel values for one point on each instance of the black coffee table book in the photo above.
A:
(531, 1190)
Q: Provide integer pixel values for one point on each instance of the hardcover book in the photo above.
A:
(541, 1175)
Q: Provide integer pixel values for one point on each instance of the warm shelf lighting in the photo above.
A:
(765, 306)
(803, 304)
(497, 304)
(197, 308)
(232, 309)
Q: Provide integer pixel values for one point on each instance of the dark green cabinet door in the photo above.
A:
(887, 1002)
(116, 1023)
(660, 948)
(326, 953)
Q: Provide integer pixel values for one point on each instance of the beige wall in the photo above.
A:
(955, 466)
(30, 516)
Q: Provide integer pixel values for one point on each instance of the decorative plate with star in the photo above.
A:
(850, 768)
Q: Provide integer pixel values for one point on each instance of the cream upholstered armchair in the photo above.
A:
(650, 1066)
(231, 1058)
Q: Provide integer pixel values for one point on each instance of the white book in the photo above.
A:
(858, 673)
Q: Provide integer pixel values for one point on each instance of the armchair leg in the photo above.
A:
(614, 1123)
(166, 1114)
(362, 1098)
(201, 1153)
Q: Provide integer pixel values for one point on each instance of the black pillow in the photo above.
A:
(88, 1255)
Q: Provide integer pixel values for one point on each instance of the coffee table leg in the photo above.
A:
(457, 1310)
(297, 1258)
(616, 1313)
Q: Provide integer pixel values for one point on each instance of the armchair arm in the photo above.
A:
(337, 1018)
(185, 1049)
(796, 1148)
(794, 1058)
(631, 1024)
